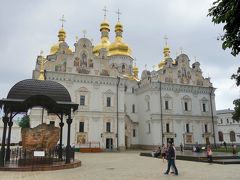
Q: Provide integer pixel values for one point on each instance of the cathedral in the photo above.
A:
(120, 108)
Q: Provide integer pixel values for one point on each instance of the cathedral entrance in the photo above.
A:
(207, 140)
(170, 140)
(109, 143)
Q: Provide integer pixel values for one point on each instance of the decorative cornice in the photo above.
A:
(177, 88)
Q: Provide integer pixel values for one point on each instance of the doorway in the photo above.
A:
(109, 143)
(207, 141)
(170, 140)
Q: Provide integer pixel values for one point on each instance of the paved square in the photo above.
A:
(129, 166)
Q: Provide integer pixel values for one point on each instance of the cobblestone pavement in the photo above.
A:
(129, 166)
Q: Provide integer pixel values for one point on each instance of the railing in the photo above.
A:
(22, 157)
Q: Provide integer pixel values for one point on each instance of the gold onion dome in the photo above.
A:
(61, 38)
(166, 52)
(118, 47)
(104, 43)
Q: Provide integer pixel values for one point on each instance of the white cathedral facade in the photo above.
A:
(120, 109)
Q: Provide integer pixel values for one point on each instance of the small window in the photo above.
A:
(166, 105)
(52, 123)
(148, 105)
(133, 90)
(108, 127)
(186, 106)
(221, 121)
(227, 121)
(123, 68)
(134, 132)
(220, 136)
(206, 128)
(187, 128)
(149, 128)
(232, 136)
(204, 107)
(81, 126)
(167, 128)
(82, 100)
(108, 101)
(133, 108)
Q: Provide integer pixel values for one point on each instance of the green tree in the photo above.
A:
(228, 13)
(237, 77)
(236, 114)
(24, 122)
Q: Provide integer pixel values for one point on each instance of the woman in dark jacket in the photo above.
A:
(171, 159)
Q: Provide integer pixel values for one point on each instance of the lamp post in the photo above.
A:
(118, 81)
(161, 118)
(210, 95)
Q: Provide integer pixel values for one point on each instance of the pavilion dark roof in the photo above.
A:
(31, 87)
(31, 92)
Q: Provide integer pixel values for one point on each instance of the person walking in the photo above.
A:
(234, 150)
(225, 145)
(172, 168)
(181, 147)
(171, 155)
(164, 150)
(209, 154)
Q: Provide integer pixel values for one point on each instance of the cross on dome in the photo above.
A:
(84, 33)
(165, 38)
(118, 13)
(63, 20)
(181, 50)
(105, 12)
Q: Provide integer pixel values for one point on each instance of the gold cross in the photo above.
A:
(105, 12)
(84, 33)
(181, 50)
(165, 38)
(118, 13)
(145, 66)
(63, 20)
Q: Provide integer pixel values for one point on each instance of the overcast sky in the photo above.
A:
(30, 26)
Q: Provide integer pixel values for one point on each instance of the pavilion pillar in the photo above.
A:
(61, 124)
(5, 120)
(10, 123)
(68, 147)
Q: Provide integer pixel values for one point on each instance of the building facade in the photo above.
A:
(228, 128)
(117, 108)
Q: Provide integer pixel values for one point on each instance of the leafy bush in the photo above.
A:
(24, 122)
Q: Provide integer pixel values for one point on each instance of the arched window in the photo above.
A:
(232, 136)
(133, 108)
(84, 60)
(220, 136)
(123, 68)
(147, 99)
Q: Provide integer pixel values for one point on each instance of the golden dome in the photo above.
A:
(104, 43)
(166, 53)
(61, 38)
(104, 26)
(118, 47)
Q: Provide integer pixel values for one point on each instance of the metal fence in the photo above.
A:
(22, 157)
